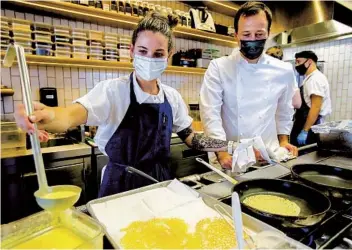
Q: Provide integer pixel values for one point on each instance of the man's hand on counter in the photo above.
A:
(285, 144)
(225, 159)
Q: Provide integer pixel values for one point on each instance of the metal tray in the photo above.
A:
(252, 225)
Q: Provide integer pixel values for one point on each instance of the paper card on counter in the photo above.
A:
(181, 189)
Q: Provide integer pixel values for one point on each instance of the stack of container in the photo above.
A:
(95, 45)
(124, 48)
(13, 139)
(79, 43)
(110, 44)
(21, 34)
(5, 34)
(42, 39)
(62, 41)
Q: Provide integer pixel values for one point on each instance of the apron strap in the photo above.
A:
(132, 94)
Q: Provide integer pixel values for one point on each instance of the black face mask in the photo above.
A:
(252, 49)
(301, 69)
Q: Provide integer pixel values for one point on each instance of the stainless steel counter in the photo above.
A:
(316, 157)
(56, 152)
(224, 189)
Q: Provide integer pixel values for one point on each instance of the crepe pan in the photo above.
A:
(336, 182)
(313, 204)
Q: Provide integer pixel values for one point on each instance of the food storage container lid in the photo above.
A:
(21, 30)
(32, 226)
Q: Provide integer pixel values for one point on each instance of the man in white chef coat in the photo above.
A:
(316, 102)
(249, 93)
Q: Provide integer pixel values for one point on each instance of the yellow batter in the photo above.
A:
(58, 195)
(273, 204)
(172, 233)
(57, 238)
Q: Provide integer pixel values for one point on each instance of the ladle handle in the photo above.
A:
(237, 217)
(27, 98)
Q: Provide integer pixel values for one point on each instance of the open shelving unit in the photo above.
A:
(88, 63)
(83, 13)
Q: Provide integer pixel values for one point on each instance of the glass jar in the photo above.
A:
(158, 8)
(188, 19)
(128, 8)
(145, 8)
(121, 6)
(164, 11)
(151, 7)
(169, 10)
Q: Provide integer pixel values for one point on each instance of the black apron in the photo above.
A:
(142, 141)
(300, 119)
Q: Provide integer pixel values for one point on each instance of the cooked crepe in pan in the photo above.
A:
(273, 204)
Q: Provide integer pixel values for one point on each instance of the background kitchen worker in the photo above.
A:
(315, 94)
(249, 93)
(278, 53)
(136, 114)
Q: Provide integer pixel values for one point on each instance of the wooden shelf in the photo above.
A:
(83, 13)
(7, 92)
(219, 6)
(86, 63)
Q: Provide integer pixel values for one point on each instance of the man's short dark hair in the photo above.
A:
(307, 54)
(251, 9)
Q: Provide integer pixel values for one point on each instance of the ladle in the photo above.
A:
(54, 198)
(237, 219)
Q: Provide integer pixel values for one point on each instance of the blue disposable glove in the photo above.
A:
(302, 137)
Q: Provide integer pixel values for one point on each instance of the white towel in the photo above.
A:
(244, 156)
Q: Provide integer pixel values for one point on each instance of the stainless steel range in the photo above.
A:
(333, 232)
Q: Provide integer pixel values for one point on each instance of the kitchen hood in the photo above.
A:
(314, 21)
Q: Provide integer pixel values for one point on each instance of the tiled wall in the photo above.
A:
(338, 69)
(73, 82)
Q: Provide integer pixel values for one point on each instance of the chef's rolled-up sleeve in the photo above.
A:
(211, 101)
(313, 87)
(98, 104)
(285, 110)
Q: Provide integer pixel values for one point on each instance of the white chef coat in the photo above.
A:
(316, 83)
(239, 100)
(108, 101)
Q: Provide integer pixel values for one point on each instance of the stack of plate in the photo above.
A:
(124, 48)
(110, 43)
(5, 33)
(42, 39)
(95, 45)
(21, 33)
(62, 41)
(79, 43)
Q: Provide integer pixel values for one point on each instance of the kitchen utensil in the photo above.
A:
(54, 198)
(136, 171)
(237, 219)
(337, 142)
(202, 19)
(334, 136)
(335, 181)
(218, 171)
(312, 203)
(42, 231)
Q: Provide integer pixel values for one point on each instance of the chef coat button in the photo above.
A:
(241, 134)
(240, 116)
